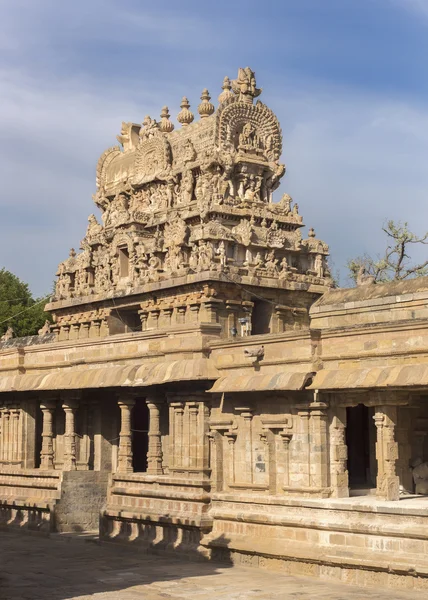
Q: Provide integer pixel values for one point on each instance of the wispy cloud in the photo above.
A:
(417, 6)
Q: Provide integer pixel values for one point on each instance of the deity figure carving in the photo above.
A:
(271, 263)
(187, 184)
(245, 85)
(194, 258)
(63, 286)
(248, 138)
(118, 214)
(94, 228)
(150, 128)
(103, 278)
(245, 231)
(221, 253)
(259, 261)
(284, 268)
(206, 255)
(188, 152)
(285, 204)
(319, 265)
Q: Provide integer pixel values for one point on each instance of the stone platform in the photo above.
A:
(35, 568)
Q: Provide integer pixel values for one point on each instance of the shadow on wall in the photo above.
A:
(36, 567)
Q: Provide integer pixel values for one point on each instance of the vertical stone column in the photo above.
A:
(70, 406)
(388, 483)
(193, 435)
(16, 446)
(154, 454)
(47, 453)
(125, 439)
(339, 454)
(300, 451)
(286, 437)
(5, 435)
(177, 434)
(318, 472)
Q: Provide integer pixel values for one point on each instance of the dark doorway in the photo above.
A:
(140, 438)
(360, 439)
(261, 317)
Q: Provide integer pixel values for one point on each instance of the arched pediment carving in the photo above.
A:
(152, 159)
(249, 129)
(103, 163)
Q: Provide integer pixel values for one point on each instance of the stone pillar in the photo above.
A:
(47, 453)
(177, 417)
(388, 483)
(286, 437)
(339, 454)
(125, 439)
(154, 455)
(16, 446)
(193, 434)
(318, 472)
(6, 435)
(70, 406)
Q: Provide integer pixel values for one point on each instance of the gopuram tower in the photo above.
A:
(190, 231)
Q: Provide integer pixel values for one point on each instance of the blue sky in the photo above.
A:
(347, 79)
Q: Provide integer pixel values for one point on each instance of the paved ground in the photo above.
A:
(33, 568)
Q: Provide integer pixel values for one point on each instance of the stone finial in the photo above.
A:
(165, 125)
(227, 90)
(185, 117)
(205, 109)
(245, 85)
(311, 233)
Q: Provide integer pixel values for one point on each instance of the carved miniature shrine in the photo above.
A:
(204, 389)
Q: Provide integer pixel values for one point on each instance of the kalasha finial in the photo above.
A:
(185, 117)
(205, 109)
(165, 124)
(311, 232)
(227, 91)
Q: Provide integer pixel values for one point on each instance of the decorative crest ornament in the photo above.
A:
(149, 129)
(245, 85)
(185, 116)
(205, 109)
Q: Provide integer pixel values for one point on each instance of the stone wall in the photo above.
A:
(83, 494)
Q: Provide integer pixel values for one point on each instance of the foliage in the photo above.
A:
(395, 264)
(18, 308)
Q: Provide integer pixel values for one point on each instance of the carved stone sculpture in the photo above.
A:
(8, 335)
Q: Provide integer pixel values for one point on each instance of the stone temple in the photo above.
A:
(204, 389)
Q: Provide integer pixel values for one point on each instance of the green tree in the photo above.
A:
(396, 263)
(18, 308)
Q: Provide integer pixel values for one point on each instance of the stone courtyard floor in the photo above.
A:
(36, 568)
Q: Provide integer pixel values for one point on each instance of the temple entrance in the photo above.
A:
(140, 439)
(361, 440)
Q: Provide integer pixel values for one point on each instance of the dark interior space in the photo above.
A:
(360, 441)
(140, 439)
